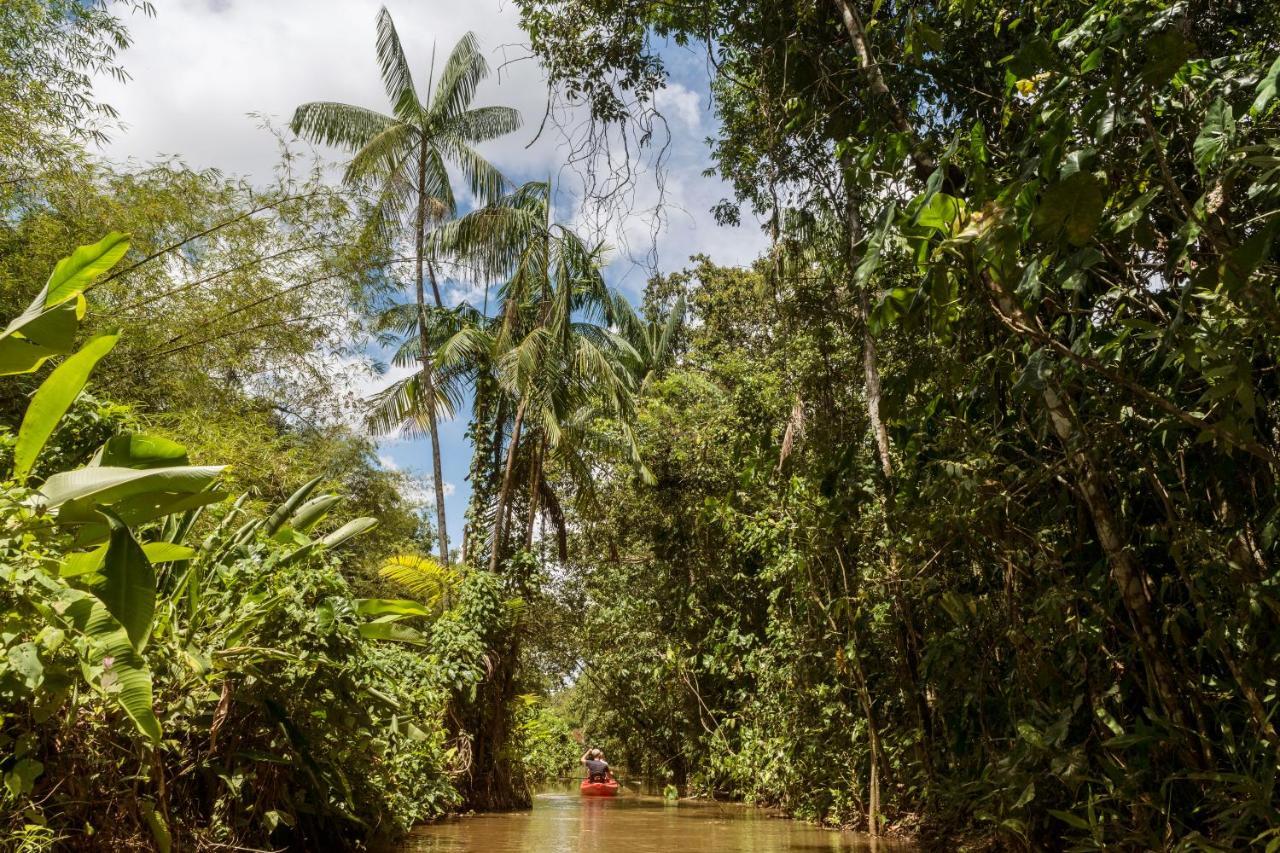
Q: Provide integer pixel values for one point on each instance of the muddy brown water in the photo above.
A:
(565, 822)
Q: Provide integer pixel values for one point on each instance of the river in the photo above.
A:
(568, 823)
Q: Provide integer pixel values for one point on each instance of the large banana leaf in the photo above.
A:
(107, 485)
(138, 450)
(387, 628)
(49, 325)
(286, 509)
(128, 587)
(73, 275)
(310, 513)
(90, 529)
(87, 562)
(399, 607)
(53, 398)
(125, 676)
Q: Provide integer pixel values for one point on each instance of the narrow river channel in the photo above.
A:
(632, 823)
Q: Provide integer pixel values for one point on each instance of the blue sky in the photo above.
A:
(200, 68)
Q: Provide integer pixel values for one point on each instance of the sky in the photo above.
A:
(205, 72)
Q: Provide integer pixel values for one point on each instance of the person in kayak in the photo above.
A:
(597, 767)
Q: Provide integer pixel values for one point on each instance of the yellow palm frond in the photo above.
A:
(422, 577)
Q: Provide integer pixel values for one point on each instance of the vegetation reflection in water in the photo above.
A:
(567, 823)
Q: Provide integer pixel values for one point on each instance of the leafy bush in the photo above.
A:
(176, 670)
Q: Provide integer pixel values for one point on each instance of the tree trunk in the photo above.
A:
(535, 480)
(907, 658)
(1130, 579)
(424, 343)
(504, 494)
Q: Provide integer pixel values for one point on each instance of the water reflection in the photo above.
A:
(630, 823)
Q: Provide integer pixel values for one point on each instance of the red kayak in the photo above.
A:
(599, 789)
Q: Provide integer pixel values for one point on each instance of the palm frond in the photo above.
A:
(341, 125)
(423, 578)
(484, 123)
(395, 66)
(463, 71)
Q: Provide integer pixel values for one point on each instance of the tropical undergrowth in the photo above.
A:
(182, 668)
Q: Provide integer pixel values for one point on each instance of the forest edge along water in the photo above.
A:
(865, 408)
(563, 822)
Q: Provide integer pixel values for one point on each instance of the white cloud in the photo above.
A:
(204, 70)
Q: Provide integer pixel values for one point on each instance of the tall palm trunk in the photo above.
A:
(504, 494)
(428, 370)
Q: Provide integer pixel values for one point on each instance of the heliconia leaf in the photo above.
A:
(53, 398)
(90, 529)
(108, 485)
(310, 513)
(83, 562)
(49, 324)
(167, 552)
(139, 450)
(391, 606)
(286, 509)
(128, 588)
(388, 629)
(125, 676)
(1267, 87)
(354, 527)
(53, 328)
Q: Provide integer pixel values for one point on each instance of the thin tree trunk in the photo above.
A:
(924, 163)
(424, 343)
(1130, 580)
(908, 671)
(504, 494)
(535, 480)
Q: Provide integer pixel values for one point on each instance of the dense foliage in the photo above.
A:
(966, 502)
(956, 511)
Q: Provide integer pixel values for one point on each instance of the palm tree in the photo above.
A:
(546, 353)
(650, 344)
(406, 155)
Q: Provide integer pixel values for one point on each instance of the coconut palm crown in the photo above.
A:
(405, 157)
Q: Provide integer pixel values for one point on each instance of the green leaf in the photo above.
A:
(1267, 86)
(18, 355)
(168, 552)
(1133, 212)
(24, 659)
(125, 676)
(108, 485)
(21, 780)
(942, 212)
(391, 606)
(286, 509)
(156, 823)
(1071, 207)
(354, 527)
(83, 562)
(1070, 819)
(128, 588)
(53, 398)
(387, 628)
(74, 274)
(138, 450)
(53, 328)
(311, 512)
(875, 245)
(1216, 135)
